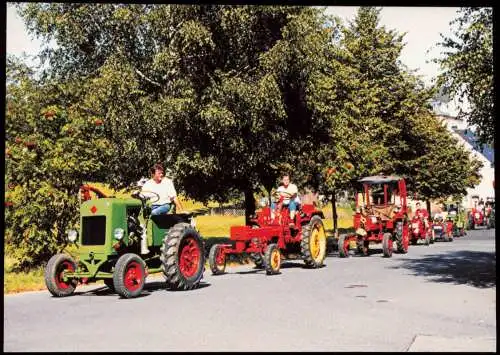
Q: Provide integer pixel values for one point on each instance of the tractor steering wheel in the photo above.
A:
(278, 194)
(140, 195)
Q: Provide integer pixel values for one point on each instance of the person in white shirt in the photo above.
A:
(164, 188)
(289, 192)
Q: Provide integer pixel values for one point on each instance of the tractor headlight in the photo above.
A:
(193, 222)
(118, 233)
(72, 235)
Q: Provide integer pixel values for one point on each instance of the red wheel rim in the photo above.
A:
(219, 257)
(133, 276)
(65, 265)
(189, 257)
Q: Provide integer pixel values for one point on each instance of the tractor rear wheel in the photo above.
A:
(129, 275)
(272, 259)
(217, 260)
(427, 239)
(343, 246)
(313, 243)
(54, 275)
(182, 257)
(387, 245)
(402, 241)
(258, 260)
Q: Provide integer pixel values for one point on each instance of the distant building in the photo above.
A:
(467, 138)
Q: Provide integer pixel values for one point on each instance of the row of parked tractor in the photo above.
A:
(121, 242)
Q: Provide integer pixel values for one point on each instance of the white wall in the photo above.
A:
(485, 188)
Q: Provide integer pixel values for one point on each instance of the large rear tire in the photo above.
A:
(182, 257)
(313, 243)
(272, 259)
(387, 245)
(129, 276)
(217, 260)
(53, 275)
(402, 240)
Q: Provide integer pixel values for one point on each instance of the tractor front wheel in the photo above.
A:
(54, 275)
(343, 246)
(129, 276)
(387, 245)
(313, 243)
(217, 260)
(272, 259)
(182, 257)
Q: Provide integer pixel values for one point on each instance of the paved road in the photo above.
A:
(438, 298)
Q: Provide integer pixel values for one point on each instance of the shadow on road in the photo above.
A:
(149, 288)
(473, 268)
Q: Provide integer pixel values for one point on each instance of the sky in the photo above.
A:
(422, 25)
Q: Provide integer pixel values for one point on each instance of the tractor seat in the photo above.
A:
(165, 221)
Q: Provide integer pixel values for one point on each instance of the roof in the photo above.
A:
(380, 179)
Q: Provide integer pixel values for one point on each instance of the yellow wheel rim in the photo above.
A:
(318, 241)
(275, 259)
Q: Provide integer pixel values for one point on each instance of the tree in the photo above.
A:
(50, 151)
(467, 65)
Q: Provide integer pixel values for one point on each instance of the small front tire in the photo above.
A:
(54, 272)
(129, 276)
(217, 260)
(272, 259)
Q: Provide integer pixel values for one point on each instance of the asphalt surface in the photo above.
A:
(440, 297)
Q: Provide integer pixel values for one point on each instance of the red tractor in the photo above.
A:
(419, 231)
(477, 216)
(381, 216)
(441, 228)
(272, 236)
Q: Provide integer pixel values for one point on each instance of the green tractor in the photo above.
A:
(457, 214)
(120, 242)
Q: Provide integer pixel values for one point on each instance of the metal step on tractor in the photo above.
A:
(120, 242)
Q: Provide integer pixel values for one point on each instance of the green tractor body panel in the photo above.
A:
(98, 221)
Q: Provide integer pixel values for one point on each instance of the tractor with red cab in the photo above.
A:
(477, 215)
(380, 217)
(273, 235)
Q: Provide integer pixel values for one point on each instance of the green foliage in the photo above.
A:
(50, 151)
(467, 64)
(227, 97)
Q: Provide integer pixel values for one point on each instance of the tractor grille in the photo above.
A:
(94, 230)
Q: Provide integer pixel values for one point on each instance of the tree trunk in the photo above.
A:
(334, 215)
(249, 205)
(428, 206)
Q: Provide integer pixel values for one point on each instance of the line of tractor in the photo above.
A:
(120, 242)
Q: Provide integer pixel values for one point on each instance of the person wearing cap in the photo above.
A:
(163, 186)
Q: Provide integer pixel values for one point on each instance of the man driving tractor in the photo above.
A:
(289, 192)
(422, 213)
(164, 188)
